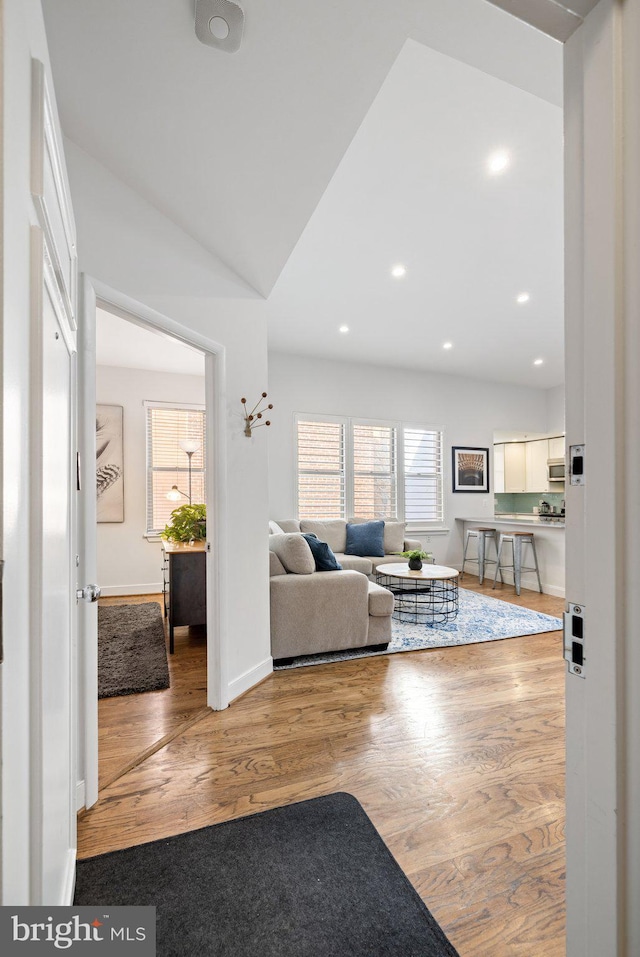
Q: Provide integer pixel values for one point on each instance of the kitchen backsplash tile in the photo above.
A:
(522, 503)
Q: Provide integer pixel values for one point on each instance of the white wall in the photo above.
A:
(129, 563)
(127, 244)
(555, 409)
(467, 410)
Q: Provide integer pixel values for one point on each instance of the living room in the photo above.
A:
(149, 242)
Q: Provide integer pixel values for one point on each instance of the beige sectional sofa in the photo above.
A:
(334, 533)
(314, 612)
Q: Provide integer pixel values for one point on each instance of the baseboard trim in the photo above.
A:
(528, 582)
(250, 678)
(69, 886)
(117, 591)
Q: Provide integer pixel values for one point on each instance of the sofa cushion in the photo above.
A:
(275, 529)
(289, 525)
(393, 537)
(355, 563)
(275, 565)
(388, 560)
(333, 532)
(294, 553)
(380, 601)
(365, 539)
(323, 556)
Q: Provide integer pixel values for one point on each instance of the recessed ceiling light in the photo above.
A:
(344, 329)
(447, 345)
(523, 297)
(498, 162)
(538, 362)
(399, 271)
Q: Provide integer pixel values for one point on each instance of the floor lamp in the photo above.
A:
(189, 447)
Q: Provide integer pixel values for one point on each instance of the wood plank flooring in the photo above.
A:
(131, 726)
(456, 754)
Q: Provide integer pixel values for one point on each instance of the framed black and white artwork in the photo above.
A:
(109, 463)
(470, 469)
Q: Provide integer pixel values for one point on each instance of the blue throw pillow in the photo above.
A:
(365, 539)
(324, 558)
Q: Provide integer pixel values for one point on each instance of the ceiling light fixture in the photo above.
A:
(447, 345)
(220, 23)
(343, 329)
(523, 297)
(399, 271)
(498, 162)
(538, 362)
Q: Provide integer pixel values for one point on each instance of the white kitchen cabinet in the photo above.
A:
(536, 455)
(498, 468)
(556, 447)
(515, 467)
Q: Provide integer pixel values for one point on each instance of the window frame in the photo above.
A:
(348, 422)
(333, 420)
(149, 404)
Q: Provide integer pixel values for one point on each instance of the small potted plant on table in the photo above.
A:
(416, 556)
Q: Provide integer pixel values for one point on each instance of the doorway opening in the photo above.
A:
(151, 459)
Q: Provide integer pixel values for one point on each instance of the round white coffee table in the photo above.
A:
(430, 595)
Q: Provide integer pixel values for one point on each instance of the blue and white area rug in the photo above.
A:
(480, 619)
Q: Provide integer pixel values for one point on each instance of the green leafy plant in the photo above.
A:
(416, 553)
(188, 524)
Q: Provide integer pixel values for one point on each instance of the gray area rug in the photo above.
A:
(132, 653)
(312, 879)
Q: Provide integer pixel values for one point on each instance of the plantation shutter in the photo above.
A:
(321, 469)
(168, 464)
(423, 495)
(374, 471)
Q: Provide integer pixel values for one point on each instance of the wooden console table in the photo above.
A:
(184, 585)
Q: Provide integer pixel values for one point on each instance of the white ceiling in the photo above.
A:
(123, 344)
(414, 188)
(240, 150)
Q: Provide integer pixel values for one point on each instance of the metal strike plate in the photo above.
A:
(576, 464)
(574, 633)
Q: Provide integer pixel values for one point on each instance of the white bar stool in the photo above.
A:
(517, 540)
(483, 536)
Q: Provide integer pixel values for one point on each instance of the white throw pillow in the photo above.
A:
(294, 553)
(274, 529)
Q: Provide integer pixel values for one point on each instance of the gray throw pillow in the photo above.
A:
(294, 553)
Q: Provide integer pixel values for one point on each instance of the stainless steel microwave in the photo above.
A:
(555, 470)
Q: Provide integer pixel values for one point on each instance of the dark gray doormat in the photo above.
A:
(132, 653)
(312, 879)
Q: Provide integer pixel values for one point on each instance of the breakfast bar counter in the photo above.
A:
(549, 536)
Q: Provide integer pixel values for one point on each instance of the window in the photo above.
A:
(423, 475)
(348, 467)
(168, 464)
(321, 471)
(374, 471)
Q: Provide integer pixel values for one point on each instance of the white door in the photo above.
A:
(52, 521)
(56, 771)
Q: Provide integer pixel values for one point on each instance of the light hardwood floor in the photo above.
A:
(456, 754)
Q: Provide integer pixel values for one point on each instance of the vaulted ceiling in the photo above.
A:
(240, 150)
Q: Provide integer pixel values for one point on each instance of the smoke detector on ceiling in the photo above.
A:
(219, 23)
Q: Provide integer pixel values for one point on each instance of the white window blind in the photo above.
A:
(168, 463)
(423, 499)
(374, 471)
(321, 469)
